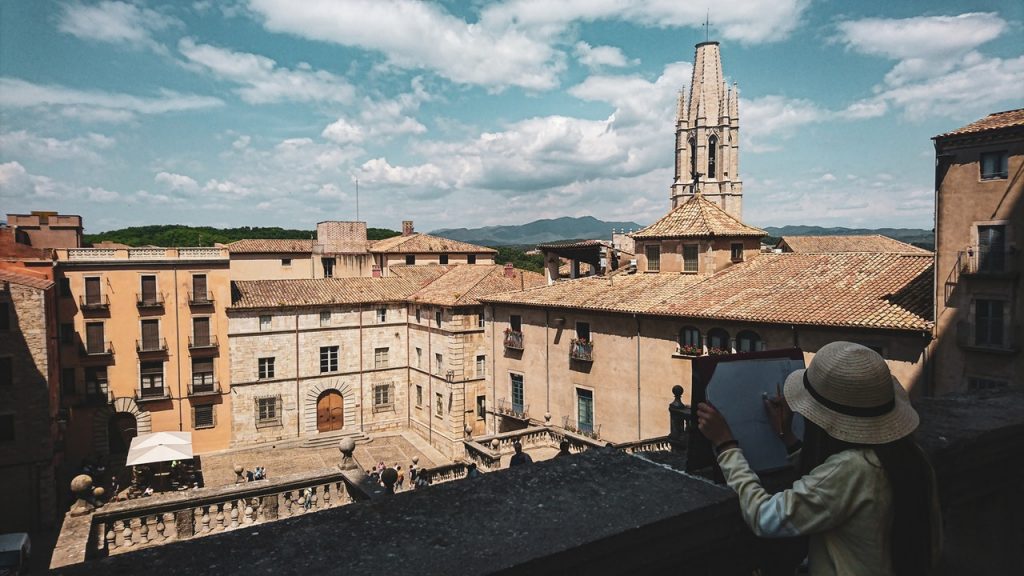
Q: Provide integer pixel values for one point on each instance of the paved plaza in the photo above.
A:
(393, 448)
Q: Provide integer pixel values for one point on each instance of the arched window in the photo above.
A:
(718, 339)
(749, 341)
(693, 157)
(712, 156)
(689, 341)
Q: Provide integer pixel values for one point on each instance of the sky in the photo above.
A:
(473, 113)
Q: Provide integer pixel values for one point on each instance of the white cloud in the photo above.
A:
(115, 23)
(22, 143)
(96, 194)
(377, 120)
(379, 173)
(226, 189)
(775, 117)
(597, 56)
(147, 198)
(96, 104)
(178, 182)
(23, 187)
(921, 37)
(260, 78)
(241, 142)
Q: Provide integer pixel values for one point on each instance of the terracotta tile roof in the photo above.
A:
(995, 121)
(574, 244)
(886, 291)
(30, 280)
(319, 292)
(421, 273)
(697, 218)
(426, 244)
(463, 284)
(866, 243)
(271, 246)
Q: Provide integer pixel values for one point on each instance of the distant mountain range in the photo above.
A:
(537, 232)
(566, 228)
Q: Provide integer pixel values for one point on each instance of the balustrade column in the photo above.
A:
(170, 527)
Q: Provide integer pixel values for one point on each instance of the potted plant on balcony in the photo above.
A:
(689, 350)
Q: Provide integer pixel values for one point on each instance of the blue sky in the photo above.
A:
(266, 112)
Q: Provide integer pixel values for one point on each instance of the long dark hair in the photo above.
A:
(912, 482)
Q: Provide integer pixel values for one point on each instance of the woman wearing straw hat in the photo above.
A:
(867, 495)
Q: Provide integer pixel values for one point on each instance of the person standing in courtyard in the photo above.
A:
(520, 457)
(867, 498)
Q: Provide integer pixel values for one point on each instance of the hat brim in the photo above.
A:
(901, 421)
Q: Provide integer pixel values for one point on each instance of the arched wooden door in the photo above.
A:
(330, 411)
(121, 428)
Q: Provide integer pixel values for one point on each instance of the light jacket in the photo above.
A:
(844, 505)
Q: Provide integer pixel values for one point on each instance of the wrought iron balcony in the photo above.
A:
(151, 346)
(97, 349)
(513, 339)
(100, 303)
(208, 342)
(983, 261)
(200, 298)
(1003, 341)
(149, 301)
(513, 409)
(590, 430)
(207, 388)
(152, 393)
(581, 349)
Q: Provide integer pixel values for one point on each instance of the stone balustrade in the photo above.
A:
(141, 254)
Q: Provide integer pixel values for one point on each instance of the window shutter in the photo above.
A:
(150, 333)
(201, 328)
(199, 287)
(149, 288)
(94, 336)
(92, 290)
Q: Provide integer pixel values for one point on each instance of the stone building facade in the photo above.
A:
(979, 222)
(42, 229)
(29, 415)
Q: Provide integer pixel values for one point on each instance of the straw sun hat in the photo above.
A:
(849, 392)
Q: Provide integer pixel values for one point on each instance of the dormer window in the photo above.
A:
(653, 258)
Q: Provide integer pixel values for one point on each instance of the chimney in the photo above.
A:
(510, 270)
(407, 228)
(376, 271)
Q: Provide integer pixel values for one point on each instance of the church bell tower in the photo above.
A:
(708, 136)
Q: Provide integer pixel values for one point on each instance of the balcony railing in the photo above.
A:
(151, 345)
(204, 388)
(106, 348)
(514, 339)
(513, 409)
(581, 428)
(1006, 342)
(200, 298)
(982, 261)
(202, 343)
(99, 303)
(152, 393)
(581, 349)
(149, 301)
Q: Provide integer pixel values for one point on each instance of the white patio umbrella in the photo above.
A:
(160, 447)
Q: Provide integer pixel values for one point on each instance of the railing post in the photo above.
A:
(678, 414)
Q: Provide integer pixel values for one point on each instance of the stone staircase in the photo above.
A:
(332, 438)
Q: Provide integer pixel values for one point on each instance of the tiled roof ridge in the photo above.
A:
(989, 123)
(23, 279)
(481, 279)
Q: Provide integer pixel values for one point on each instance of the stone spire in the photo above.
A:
(708, 141)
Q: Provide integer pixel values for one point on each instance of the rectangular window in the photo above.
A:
(6, 427)
(65, 287)
(201, 331)
(653, 258)
(94, 343)
(266, 368)
(419, 395)
(439, 405)
(438, 364)
(67, 333)
(380, 358)
(328, 359)
(991, 248)
(737, 251)
(585, 410)
(96, 381)
(92, 291)
(481, 407)
(68, 386)
(267, 412)
(382, 395)
(471, 259)
(480, 320)
(265, 323)
(150, 335)
(437, 317)
(515, 322)
(151, 380)
(583, 330)
(148, 295)
(286, 261)
(382, 314)
(410, 259)
(199, 293)
(442, 259)
(325, 319)
(517, 393)
(994, 165)
(6, 371)
(988, 323)
(417, 313)
(481, 366)
(690, 258)
(203, 417)
(419, 357)
(328, 267)
(202, 375)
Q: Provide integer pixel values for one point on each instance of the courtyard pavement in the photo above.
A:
(392, 447)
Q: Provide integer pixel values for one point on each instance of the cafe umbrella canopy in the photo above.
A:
(160, 447)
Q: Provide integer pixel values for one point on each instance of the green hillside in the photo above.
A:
(177, 235)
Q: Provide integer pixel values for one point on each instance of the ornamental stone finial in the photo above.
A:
(347, 446)
(81, 486)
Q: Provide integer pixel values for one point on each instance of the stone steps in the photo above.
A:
(332, 439)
